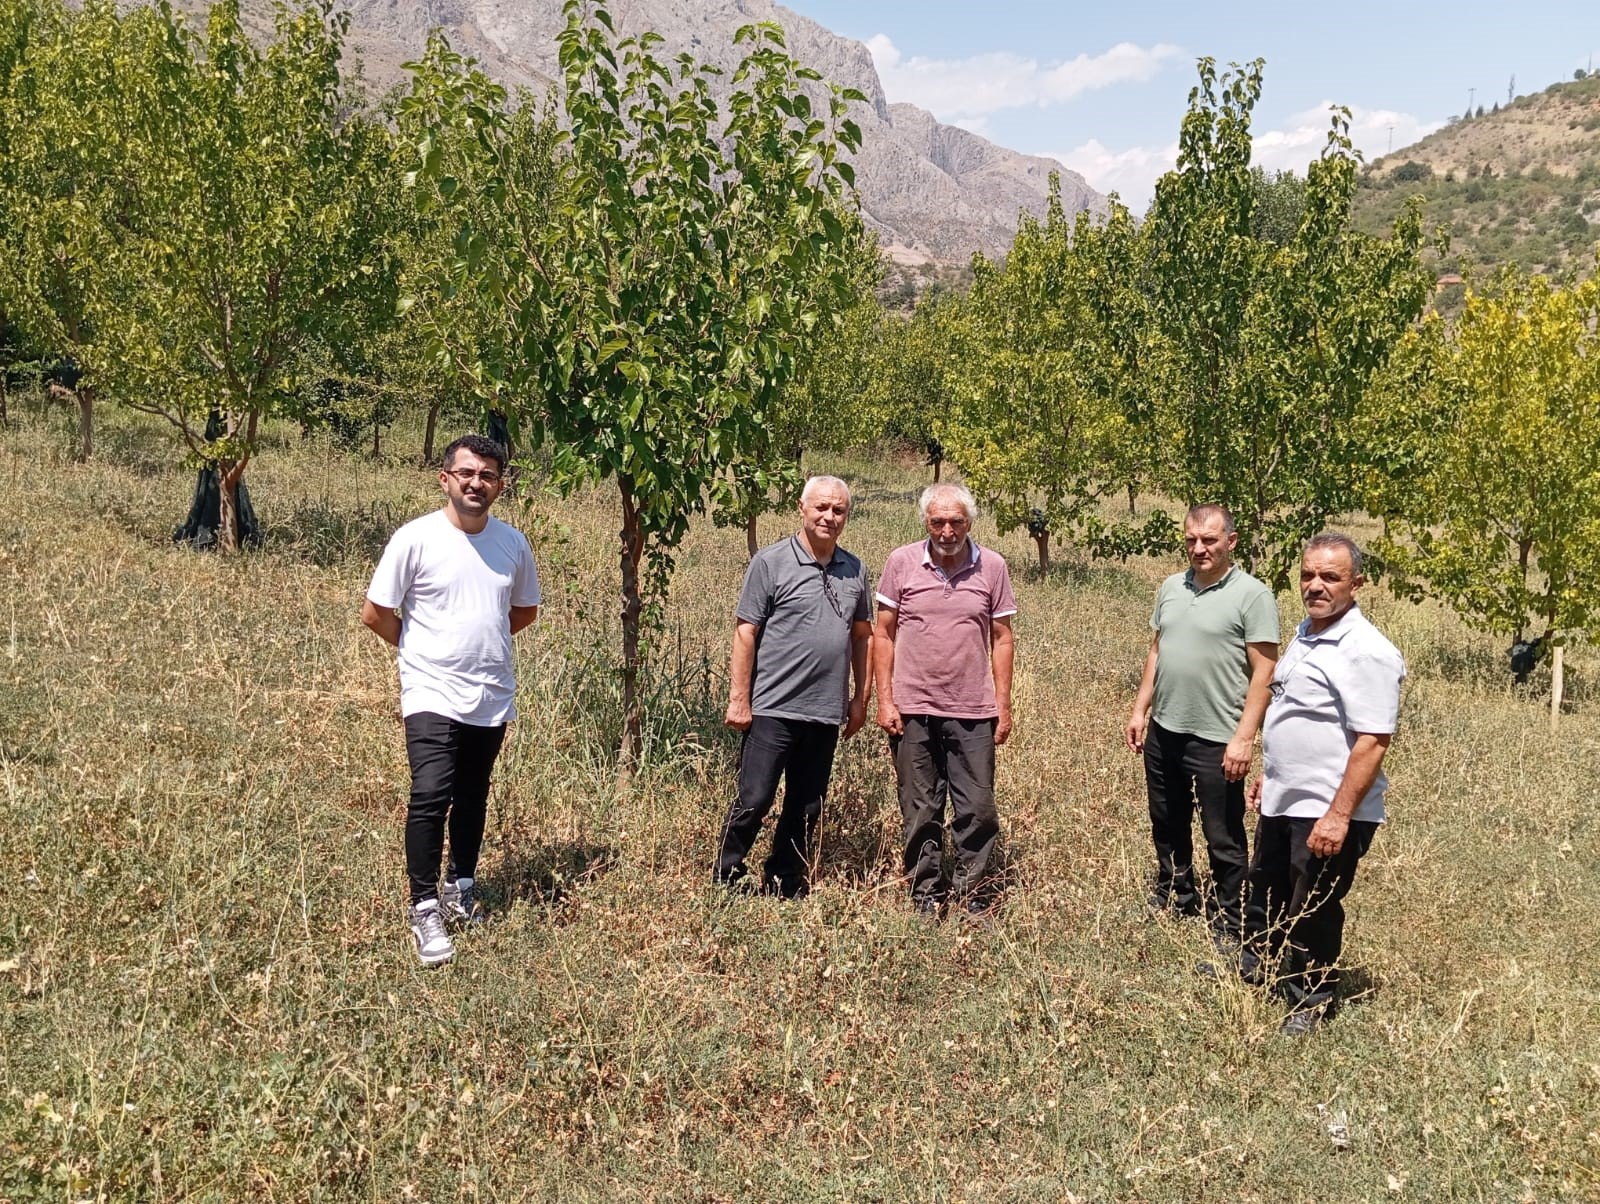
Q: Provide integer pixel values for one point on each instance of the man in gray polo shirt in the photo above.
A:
(1335, 704)
(802, 630)
(1204, 688)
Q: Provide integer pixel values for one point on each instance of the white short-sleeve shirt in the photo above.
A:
(1327, 689)
(455, 592)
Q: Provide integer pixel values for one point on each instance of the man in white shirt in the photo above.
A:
(463, 583)
(1335, 704)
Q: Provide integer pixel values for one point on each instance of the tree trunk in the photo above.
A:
(85, 425)
(1043, 540)
(429, 431)
(937, 465)
(1133, 496)
(750, 544)
(631, 553)
(5, 418)
(376, 431)
(229, 473)
(1557, 684)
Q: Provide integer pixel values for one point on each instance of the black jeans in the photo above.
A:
(801, 753)
(1180, 769)
(1296, 907)
(938, 756)
(450, 765)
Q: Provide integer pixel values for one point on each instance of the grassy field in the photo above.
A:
(207, 992)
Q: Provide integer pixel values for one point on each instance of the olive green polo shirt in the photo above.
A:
(1202, 669)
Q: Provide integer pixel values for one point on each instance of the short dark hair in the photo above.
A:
(481, 446)
(1205, 510)
(1337, 539)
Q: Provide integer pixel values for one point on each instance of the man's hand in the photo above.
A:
(1002, 727)
(1252, 796)
(1327, 835)
(1133, 734)
(1236, 758)
(857, 719)
(889, 717)
(738, 716)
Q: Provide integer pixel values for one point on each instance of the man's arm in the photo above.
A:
(861, 674)
(1002, 657)
(1263, 659)
(522, 616)
(1360, 771)
(383, 620)
(741, 667)
(1133, 734)
(883, 669)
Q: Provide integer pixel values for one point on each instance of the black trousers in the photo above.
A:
(1179, 770)
(801, 753)
(1296, 909)
(450, 765)
(936, 757)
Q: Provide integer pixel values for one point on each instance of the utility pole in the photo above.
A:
(1390, 151)
(1471, 92)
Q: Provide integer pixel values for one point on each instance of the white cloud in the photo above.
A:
(1305, 134)
(961, 91)
(1133, 172)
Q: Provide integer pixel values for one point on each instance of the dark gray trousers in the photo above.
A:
(938, 756)
(1296, 905)
(1181, 770)
(801, 754)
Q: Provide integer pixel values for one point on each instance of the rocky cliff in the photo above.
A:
(935, 193)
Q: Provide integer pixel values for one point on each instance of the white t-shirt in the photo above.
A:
(1327, 689)
(455, 592)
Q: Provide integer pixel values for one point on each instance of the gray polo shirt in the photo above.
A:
(1202, 672)
(802, 666)
(1327, 689)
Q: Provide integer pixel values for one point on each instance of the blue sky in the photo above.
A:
(1103, 87)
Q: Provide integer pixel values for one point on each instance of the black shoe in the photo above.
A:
(978, 915)
(930, 911)
(789, 891)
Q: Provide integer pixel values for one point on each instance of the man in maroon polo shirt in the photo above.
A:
(942, 659)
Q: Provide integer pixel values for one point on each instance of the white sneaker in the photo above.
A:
(462, 907)
(427, 929)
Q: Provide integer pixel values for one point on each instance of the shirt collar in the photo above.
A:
(804, 557)
(1330, 635)
(972, 553)
(1188, 579)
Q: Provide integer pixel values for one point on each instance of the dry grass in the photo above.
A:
(207, 991)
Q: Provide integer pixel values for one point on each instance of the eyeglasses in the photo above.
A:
(467, 476)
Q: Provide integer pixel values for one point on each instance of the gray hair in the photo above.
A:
(819, 482)
(1336, 539)
(1205, 510)
(946, 492)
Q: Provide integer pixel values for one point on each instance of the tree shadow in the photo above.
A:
(326, 535)
(1358, 985)
(544, 876)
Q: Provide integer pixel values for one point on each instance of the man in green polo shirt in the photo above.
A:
(1205, 687)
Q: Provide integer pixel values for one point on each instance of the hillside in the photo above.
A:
(1518, 185)
(933, 192)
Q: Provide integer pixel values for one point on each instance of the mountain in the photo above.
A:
(934, 193)
(1519, 184)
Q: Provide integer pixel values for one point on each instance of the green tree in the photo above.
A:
(69, 81)
(1496, 509)
(1039, 425)
(1261, 353)
(668, 297)
(259, 227)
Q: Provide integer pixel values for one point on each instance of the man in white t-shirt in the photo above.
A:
(463, 584)
(1335, 703)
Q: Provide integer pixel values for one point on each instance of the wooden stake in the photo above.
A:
(1556, 683)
